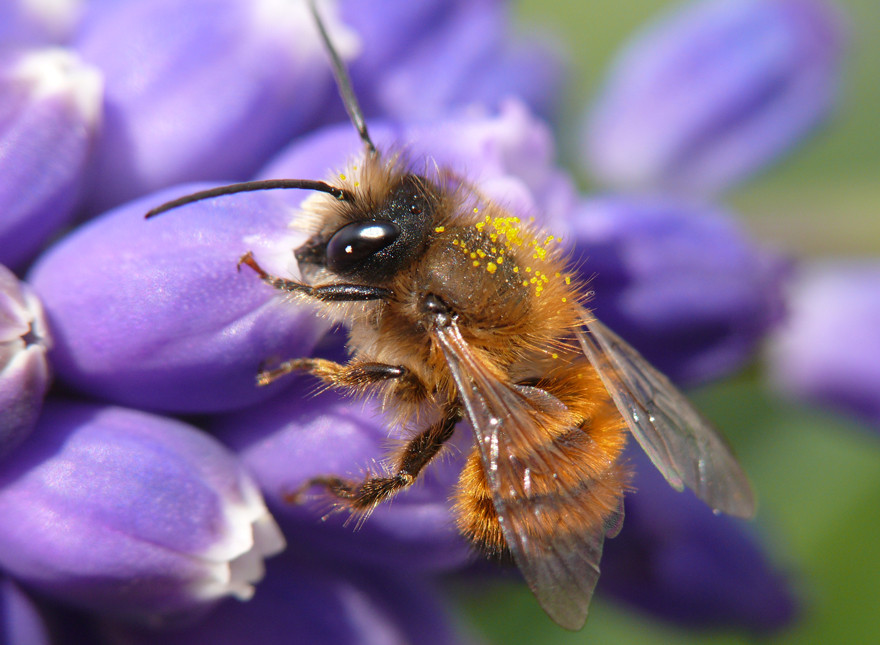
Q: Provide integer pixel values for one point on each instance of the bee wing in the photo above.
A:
(681, 443)
(561, 566)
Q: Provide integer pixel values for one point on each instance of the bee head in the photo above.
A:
(375, 234)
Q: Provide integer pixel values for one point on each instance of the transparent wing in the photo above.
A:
(554, 539)
(680, 442)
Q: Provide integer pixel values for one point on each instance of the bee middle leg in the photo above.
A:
(418, 452)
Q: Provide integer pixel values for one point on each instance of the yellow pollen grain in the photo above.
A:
(528, 269)
(516, 269)
(567, 280)
(481, 253)
(439, 229)
(554, 355)
(491, 267)
(473, 256)
(532, 280)
(476, 210)
(343, 177)
(549, 239)
(557, 275)
(565, 300)
(545, 278)
(479, 226)
(499, 260)
(454, 242)
(525, 283)
(476, 263)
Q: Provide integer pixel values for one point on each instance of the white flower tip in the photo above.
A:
(268, 538)
(59, 72)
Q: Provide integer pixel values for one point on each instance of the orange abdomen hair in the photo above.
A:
(584, 484)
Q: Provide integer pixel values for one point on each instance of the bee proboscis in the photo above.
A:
(458, 309)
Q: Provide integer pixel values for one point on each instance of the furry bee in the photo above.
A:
(457, 310)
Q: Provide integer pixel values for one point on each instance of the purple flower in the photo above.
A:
(36, 22)
(421, 59)
(295, 438)
(683, 283)
(713, 92)
(676, 559)
(204, 89)
(24, 370)
(130, 514)
(50, 110)
(23, 623)
(827, 351)
(154, 314)
(318, 603)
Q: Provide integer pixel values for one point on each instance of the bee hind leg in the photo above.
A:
(356, 374)
(364, 496)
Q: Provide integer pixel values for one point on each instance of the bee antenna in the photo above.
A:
(343, 82)
(247, 186)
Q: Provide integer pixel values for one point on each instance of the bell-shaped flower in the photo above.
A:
(421, 60)
(155, 314)
(317, 603)
(24, 368)
(677, 560)
(683, 283)
(50, 110)
(23, 623)
(295, 438)
(37, 22)
(827, 352)
(130, 514)
(712, 93)
(201, 90)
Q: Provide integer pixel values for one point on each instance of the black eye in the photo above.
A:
(356, 242)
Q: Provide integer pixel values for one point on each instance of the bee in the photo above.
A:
(457, 309)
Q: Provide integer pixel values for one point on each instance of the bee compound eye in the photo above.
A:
(355, 242)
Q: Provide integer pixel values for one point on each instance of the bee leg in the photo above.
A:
(326, 293)
(356, 374)
(366, 495)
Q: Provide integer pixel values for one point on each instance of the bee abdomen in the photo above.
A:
(569, 483)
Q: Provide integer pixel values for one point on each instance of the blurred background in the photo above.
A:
(817, 473)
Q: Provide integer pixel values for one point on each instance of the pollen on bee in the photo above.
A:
(476, 263)
(343, 177)
(564, 299)
(554, 355)
(439, 229)
(525, 283)
(516, 269)
(491, 267)
(567, 280)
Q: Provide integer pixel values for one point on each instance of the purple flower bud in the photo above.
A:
(419, 61)
(676, 559)
(37, 21)
(714, 92)
(828, 350)
(130, 514)
(683, 284)
(203, 89)
(292, 439)
(50, 109)
(22, 622)
(319, 605)
(24, 369)
(154, 314)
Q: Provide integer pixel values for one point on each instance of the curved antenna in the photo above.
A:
(247, 186)
(343, 82)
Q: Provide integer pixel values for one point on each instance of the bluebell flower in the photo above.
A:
(712, 93)
(32, 22)
(130, 514)
(681, 281)
(319, 603)
(23, 623)
(24, 368)
(50, 112)
(825, 353)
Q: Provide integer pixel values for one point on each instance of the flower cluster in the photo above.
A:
(112, 505)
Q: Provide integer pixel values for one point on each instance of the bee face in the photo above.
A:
(458, 309)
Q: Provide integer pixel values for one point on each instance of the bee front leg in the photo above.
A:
(364, 496)
(326, 293)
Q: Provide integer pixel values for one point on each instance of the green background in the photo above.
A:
(817, 474)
